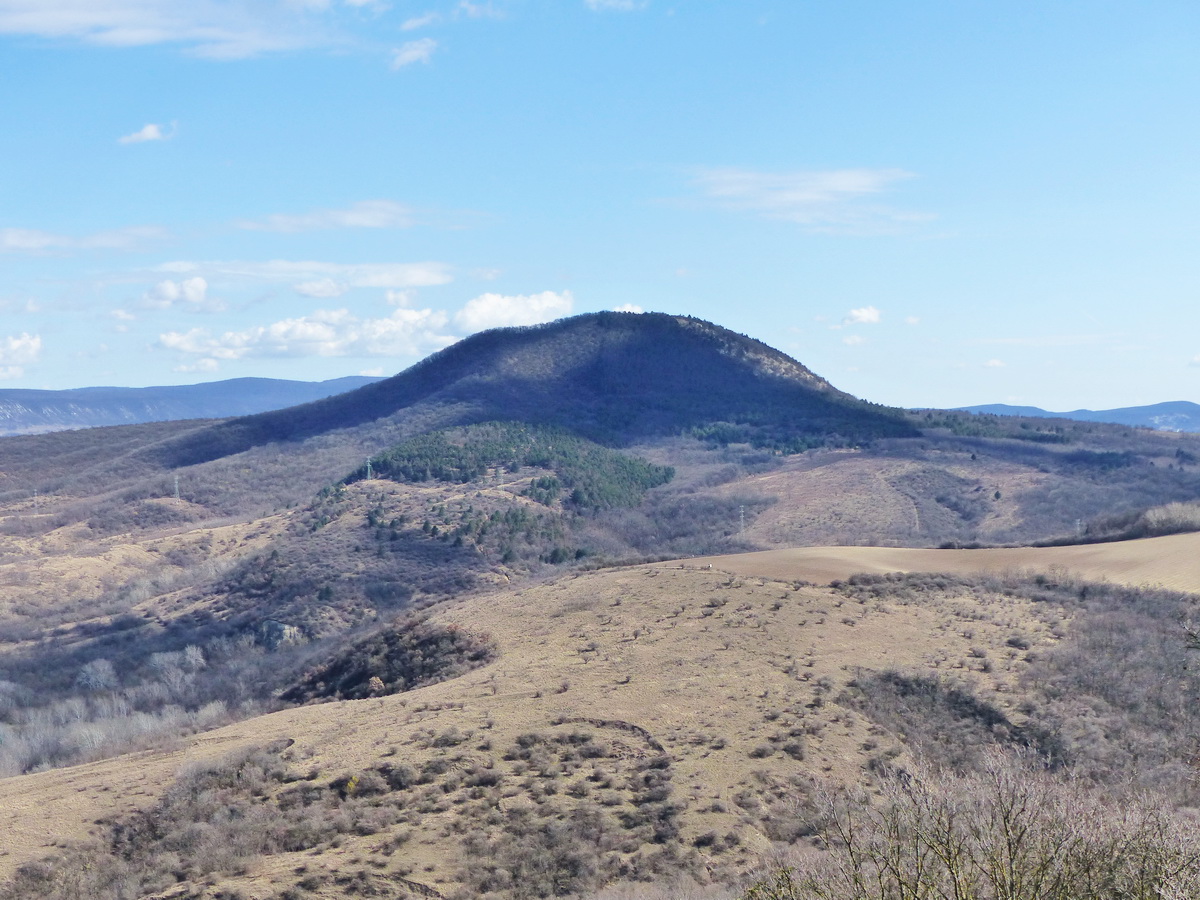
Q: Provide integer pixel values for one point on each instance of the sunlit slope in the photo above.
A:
(732, 679)
(1172, 561)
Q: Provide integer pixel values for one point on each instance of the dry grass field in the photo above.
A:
(708, 695)
(1172, 561)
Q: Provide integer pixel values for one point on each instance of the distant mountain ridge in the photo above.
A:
(1178, 415)
(38, 411)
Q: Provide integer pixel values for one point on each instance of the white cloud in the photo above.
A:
(150, 132)
(31, 240)
(189, 293)
(912, 320)
(629, 307)
(365, 214)
(619, 5)
(822, 201)
(399, 298)
(1195, 361)
(498, 310)
(373, 372)
(419, 51)
(18, 352)
(866, 315)
(417, 22)
(994, 364)
(338, 332)
(321, 288)
(314, 275)
(200, 365)
(854, 340)
(123, 315)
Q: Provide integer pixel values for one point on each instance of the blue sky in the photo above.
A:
(928, 203)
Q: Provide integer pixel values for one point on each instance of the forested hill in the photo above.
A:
(611, 377)
(35, 411)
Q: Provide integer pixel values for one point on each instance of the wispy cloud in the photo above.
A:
(233, 29)
(32, 240)
(322, 288)
(866, 315)
(994, 364)
(365, 214)
(325, 333)
(18, 352)
(498, 310)
(418, 22)
(418, 51)
(484, 10)
(149, 132)
(618, 5)
(1049, 340)
(835, 201)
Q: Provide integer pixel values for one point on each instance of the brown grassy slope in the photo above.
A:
(1172, 561)
(722, 671)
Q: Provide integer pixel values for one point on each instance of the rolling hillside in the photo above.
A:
(1171, 561)
(737, 694)
(171, 590)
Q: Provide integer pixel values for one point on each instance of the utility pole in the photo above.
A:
(742, 516)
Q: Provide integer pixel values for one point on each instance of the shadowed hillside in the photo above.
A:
(613, 377)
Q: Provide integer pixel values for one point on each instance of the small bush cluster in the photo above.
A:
(1007, 831)
(410, 654)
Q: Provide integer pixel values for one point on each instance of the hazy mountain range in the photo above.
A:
(34, 411)
(1178, 415)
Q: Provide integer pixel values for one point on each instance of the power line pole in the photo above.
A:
(742, 515)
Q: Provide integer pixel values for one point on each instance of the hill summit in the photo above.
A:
(612, 377)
